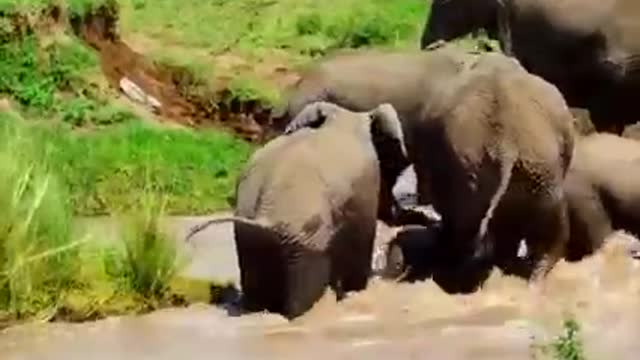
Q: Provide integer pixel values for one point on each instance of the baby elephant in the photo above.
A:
(306, 208)
(603, 191)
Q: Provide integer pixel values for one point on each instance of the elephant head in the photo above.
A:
(383, 121)
(450, 19)
(312, 115)
(385, 129)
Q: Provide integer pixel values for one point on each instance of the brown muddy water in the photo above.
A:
(400, 320)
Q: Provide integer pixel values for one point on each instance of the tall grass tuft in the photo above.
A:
(149, 258)
(38, 258)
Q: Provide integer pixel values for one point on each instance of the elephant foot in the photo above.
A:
(462, 278)
(541, 271)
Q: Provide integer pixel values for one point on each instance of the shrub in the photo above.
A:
(148, 260)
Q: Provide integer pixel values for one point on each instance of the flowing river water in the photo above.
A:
(405, 321)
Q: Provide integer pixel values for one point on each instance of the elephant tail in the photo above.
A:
(483, 246)
(196, 229)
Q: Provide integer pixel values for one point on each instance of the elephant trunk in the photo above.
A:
(483, 245)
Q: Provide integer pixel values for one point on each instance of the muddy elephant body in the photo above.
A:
(494, 150)
(602, 191)
(450, 19)
(360, 81)
(304, 216)
(588, 49)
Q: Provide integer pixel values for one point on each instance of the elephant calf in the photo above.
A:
(603, 191)
(305, 216)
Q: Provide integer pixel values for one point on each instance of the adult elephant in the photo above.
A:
(305, 217)
(602, 191)
(360, 80)
(589, 49)
(492, 145)
(451, 19)
(496, 147)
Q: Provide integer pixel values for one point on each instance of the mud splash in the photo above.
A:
(177, 95)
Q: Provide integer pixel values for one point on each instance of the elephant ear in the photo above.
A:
(312, 115)
(385, 120)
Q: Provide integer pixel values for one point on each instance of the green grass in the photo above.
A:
(51, 81)
(287, 32)
(48, 270)
(108, 170)
(302, 26)
(566, 346)
(37, 253)
(150, 258)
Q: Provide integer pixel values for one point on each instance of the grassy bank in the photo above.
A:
(107, 170)
(48, 271)
(242, 43)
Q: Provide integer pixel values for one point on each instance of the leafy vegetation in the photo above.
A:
(301, 26)
(108, 170)
(48, 269)
(566, 346)
(37, 253)
(150, 256)
(290, 33)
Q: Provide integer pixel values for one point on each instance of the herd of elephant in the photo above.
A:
(494, 140)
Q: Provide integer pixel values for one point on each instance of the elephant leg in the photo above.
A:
(507, 260)
(351, 253)
(548, 237)
(423, 186)
(504, 29)
(386, 202)
(261, 269)
(590, 222)
(308, 274)
(456, 271)
(358, 270)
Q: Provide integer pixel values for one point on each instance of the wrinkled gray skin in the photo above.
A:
(602, 191)
(361, 80)
(305, 217)
(494, 150)
(589, 49)
(451, 19)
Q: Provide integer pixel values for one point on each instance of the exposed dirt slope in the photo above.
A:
(170, 89)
